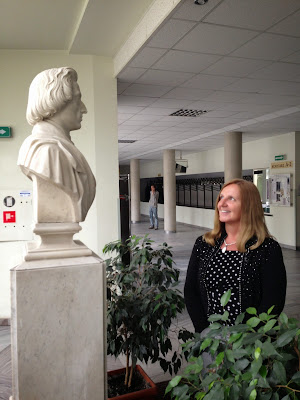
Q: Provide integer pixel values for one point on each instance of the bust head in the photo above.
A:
(50, 92)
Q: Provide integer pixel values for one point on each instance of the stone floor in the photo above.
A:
(182, 242)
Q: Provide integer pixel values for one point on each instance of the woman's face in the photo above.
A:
(229, 205)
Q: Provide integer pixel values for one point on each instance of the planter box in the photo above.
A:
(141, 394)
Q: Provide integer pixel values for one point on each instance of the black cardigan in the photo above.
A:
(263, 279)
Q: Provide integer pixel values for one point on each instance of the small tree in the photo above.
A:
(143, 301)
(259, 359)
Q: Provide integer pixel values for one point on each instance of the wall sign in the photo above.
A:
(282, 164)
(9, 217)
(5, 132)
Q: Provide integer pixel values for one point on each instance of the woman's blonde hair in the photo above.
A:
(49, 92)
(252, 217)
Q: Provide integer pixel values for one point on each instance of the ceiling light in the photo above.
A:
(200, 2)
(126, 141)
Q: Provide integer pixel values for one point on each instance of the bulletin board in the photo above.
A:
(280, 190)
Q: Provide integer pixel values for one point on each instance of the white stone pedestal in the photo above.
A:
(59, 329)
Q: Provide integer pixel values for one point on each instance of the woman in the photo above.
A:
(238, 254)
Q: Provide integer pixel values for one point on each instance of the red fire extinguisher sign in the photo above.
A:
(9, 216)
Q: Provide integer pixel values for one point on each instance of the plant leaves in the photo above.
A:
(251, 310)
(296, 378)
(242, 364)
(253, 394)
(253, 322)
(225, 298)
(279, 370)
(286, 337)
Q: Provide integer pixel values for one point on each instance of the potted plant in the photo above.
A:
(143, 302)
(259, 359)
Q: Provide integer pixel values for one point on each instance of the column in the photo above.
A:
(135, 190)
(169, 191)
(233, 155)
(297, 187)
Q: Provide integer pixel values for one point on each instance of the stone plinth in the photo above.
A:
(59, 329)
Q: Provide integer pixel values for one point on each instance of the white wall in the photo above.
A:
(17, 71)
(256, 154)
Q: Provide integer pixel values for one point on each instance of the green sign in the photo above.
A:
(278, 158)
(5, 132)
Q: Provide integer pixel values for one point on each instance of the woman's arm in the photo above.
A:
(192, 294)
(273, 279)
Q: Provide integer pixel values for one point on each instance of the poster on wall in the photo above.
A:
(280, 190)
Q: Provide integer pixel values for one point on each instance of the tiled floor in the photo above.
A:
(182, 242)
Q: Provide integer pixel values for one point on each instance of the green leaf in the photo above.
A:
(251, 310)
(219, 358)
(174, 382)
(214, 317)
(270, 310)
(268, 349)
(253, 322)
(234, 337)
(283, 318)
(229, 355)
(287, 397)
(234, 392)
(225, 298)
(257, 353)
(225, 316)
(269, 325)
(263, 371)
(286, 337)
(239, 319)
(255, 366)
(296, 378)
(279, 370)
(242, 364)
(253, 394)
(200, 395)
(205, 343)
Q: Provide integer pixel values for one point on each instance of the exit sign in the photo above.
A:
(5, 132)
(279, 158)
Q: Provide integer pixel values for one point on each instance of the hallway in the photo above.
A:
(182, 242)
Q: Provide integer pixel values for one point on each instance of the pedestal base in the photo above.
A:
(59, 329)
(56, 242)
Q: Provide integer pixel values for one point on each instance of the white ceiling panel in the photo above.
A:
(135, 100)
(293, 58)
(237, 67)
(129, 109)
(183, 61)
(170, 103)
(268, 46)
(278, 71)
(213, 39)
(172, 31)
(157, 111)
(289, 26)
(254, 14)
(146, 90)
(202, 81)
(147, 57)
(131, 74)
(221, 96)
(187, 93)
(158, 77)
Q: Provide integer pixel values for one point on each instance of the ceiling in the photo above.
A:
(238, 60)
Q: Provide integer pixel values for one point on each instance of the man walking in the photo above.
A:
(153, 208)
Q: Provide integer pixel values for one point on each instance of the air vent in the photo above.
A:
(188, 113)
(126, 141)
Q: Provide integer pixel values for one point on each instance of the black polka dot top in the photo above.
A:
(224, 273)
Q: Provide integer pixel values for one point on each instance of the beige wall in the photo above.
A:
(97, 140)
(256, 154)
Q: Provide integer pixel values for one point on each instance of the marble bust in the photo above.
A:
(63, 183)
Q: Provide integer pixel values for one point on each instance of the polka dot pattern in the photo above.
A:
(224, 273)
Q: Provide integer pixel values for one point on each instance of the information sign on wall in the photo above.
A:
(280, 189)
(282, 164)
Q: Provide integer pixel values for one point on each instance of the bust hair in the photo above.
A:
(49, 92)
(252, 217)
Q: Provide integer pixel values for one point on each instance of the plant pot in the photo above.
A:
(149, 393)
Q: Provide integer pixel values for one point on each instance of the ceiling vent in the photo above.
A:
(126, 141)
(188, 113)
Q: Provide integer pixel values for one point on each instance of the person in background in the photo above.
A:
(238, 254)
(153, 203)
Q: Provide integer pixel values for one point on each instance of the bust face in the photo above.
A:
(70, 117)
